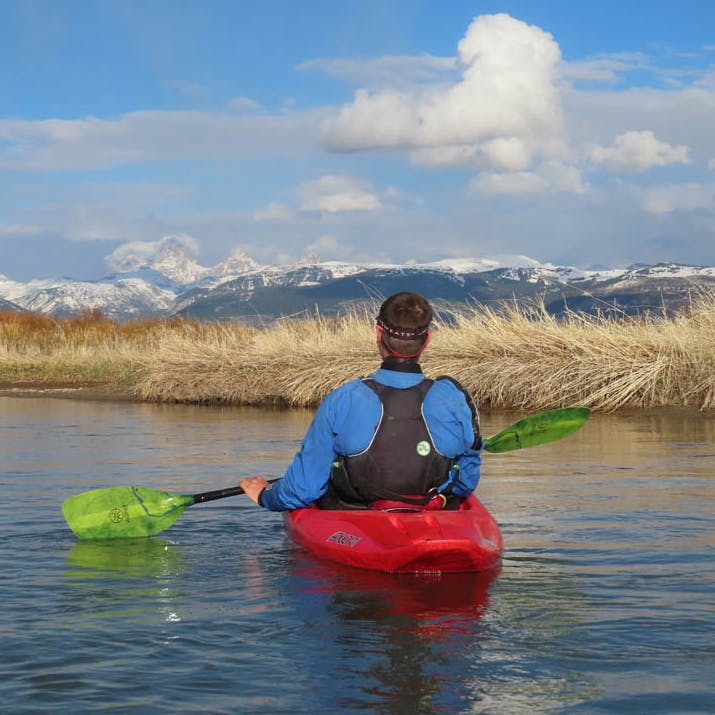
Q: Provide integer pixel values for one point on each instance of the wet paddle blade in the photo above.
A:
(538, 429)
(123, 512)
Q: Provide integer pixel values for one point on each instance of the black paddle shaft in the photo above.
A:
(221, 493)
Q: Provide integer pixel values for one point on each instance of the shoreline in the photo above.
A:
(61, 389)
(98, 391)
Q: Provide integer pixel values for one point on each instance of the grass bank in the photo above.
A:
(516, 356)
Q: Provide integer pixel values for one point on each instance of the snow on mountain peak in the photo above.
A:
(174, 261)
(238, 261)
(309, 259)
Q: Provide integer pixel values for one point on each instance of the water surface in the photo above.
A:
(604, 602)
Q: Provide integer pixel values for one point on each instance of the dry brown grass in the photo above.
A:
(522, 357)
(517, 356)
(86, 348)
(293, 363)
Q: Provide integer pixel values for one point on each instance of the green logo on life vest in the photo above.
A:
(423, 448)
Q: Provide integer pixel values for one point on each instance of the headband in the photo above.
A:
(401, 333)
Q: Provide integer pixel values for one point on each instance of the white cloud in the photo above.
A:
(505, 153)
(679, 197)
(711, 164)
(330, 248)
(245, 104)
(562, 178)
(388, 70)
(637, 151)
(275, 211)
(549, 177)
(707, 80)
(507, 97)
(604, 68)
(134, 254)
(335, 194)
(92, 143)
(13, 229)
(520, 182)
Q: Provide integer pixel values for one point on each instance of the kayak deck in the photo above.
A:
(462, 540)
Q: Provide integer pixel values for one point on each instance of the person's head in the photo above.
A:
(403, 325)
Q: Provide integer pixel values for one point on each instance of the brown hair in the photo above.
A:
(404, 319)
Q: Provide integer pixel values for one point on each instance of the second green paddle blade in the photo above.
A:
(123, 512)
(538, 429)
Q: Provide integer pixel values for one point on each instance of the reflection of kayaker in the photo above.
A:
(394, 437)
(429, 602)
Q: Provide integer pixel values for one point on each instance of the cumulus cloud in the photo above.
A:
(505, 153)
(636, 151)
(504, 110)
(135, 254)
(335, 194)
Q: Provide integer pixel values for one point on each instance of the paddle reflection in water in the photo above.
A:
(136, 578)
(157, 557)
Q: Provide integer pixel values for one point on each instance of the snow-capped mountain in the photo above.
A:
(168, 280)
(119, 298)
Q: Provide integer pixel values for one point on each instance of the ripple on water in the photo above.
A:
(603, 602)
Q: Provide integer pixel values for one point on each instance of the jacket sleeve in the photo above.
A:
(306, 479)
(469, 456)
(470, 464)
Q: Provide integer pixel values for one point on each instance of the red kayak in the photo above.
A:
(401, 541)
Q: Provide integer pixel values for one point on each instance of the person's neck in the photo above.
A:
(401, 364)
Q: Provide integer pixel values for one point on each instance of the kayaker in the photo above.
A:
(394, 439)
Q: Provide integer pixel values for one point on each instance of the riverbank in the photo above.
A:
(86, 391)
(516, 356)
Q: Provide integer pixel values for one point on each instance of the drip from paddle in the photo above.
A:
(132, 512)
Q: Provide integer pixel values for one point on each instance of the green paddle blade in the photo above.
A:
(538, 429)
(123, 512)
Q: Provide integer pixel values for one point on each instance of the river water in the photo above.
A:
(605, 602)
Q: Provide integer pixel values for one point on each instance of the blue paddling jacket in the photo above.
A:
(346, 422)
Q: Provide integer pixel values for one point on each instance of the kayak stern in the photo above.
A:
(463, 540)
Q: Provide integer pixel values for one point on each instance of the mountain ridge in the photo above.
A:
(170, 281)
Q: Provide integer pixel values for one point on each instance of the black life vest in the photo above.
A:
(401, 462)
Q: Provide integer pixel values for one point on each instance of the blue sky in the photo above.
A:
(570, 132)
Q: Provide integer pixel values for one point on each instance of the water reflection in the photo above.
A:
(418, 602)
(121, 579)
(415, 629)
(603, 603)
(124, 558)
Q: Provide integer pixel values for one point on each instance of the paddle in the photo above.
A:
(130, 512)
(538, 429)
